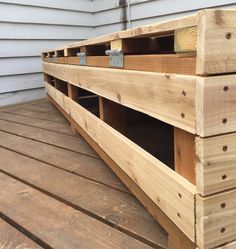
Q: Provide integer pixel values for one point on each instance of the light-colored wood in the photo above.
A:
(117, 44)
(215, 167)
(173, 96)
(57, 224)
(175, 243)
(216, 50)
(215, 105)
(153, 209)
(170, 191)
(185, 156)
(147, 30)
(215, 219)
(186, 39)
(73, 92)
(160, 63)
(131, 217)
(11, 238)
(113, 114)
(231, 245)
(144, 45)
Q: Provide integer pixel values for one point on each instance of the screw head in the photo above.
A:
(228, 35)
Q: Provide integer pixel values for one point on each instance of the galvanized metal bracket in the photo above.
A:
(55, 59)
(116, 57)
(48, 59)
(82, 58)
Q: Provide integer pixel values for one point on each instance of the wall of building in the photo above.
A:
(27, 27)
(112, 15)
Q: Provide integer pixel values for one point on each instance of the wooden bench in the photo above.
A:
(124, 90)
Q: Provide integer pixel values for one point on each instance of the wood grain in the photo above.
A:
(120, 210)
(160, 63)
(34, 122)
(134, 89)
(185, 155)
(216, 219)
(153, 209)
(76, 144)
(163, 186)
(49, 219)
(215, 105)
(77, 163)
(146, 30)
(215, 167)
(37, 114)
(216, 51)
(11, 238)
(113, 114)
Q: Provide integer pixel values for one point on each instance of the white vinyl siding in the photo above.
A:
(26, 28)
(108, 15)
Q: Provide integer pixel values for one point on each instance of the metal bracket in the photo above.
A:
(55, 59)
(116, 57)
(82, 58)
(48, 59)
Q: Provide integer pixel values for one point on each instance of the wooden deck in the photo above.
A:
(56, 193)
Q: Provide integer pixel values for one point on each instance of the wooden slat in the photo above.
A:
(11, 238)
(43, 109)
(99, 200)
(228, 246)
(216, 219)
(144, 45)
(185, 156)
(160, 63)
(215, 105)
(134, 89)
(163, 186)
(215, 167)
(64, 159)
(98, 61)
(36, 114)
(216, 51)
(186, 40)
(49, 219)
(76, 144)
(164, 63)
(30, 121)
(73, 92)
(113, 114)
(147, 30)
(156, 212)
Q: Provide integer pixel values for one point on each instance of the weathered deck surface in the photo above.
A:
(56, 193)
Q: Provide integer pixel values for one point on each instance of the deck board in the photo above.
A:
(34, 122)
(11, 238)
(73, 143)
(37, 114)
(71, 198)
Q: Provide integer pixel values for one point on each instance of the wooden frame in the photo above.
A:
(197, 199)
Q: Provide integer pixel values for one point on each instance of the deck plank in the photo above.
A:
(73, 143)
(83, 165)
(34, 122)
(62, 187)
(119, 209)
(37, 114)
(11, 238)
(57, 224)
(44, 109)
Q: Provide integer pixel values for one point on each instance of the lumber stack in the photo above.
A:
(158, 104)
